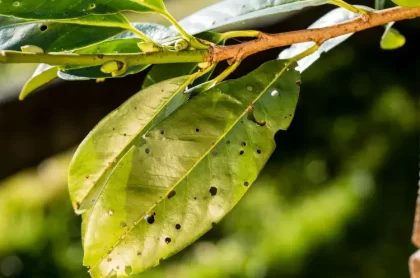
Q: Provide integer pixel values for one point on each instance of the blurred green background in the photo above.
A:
(336, 199)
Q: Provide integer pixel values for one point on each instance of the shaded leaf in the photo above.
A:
(232, 14)
(43, 75)
(392, 38)
(333, 17)
(190, 169)
(108, 142)
(56, 36)
(380, 4)
(51, 9)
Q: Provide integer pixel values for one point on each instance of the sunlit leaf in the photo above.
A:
(392, 38)
(232, 14)
(56, 35)
(108, 142)
(333, 17)
(407, 3)
(51, 9)
(187, 172)
(43, 75)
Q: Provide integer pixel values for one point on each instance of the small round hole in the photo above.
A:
(177, 226)
(147, 150)
(241, 152)
(246, 183)
(197, 130)
(258, 151)
(43, 27)
(243, 144)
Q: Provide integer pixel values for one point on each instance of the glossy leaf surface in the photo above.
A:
(187, 172)
(108, 142)
(56, 36)
(232, 14)
(43, 75)
(51, 9)
(333, 17)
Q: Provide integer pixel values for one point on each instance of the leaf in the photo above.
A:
(51, 9)
(56, 35)
(407, 3)
(165, 71)
(122, 43)
(43, 75)
(333, 17)
(380, 4)
(392, 39)
(108, 142)
(187, 172)
(232, 14)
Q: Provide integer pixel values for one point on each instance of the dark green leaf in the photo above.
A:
(56, 36)
(51, 9)
(108, 142)
(190, 169)
(333, 17)
(44, 74)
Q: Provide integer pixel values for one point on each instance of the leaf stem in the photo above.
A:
(243, 34)
(140, 34)
(227, 72)
(194, 42)
(67, 59)
(347, 6)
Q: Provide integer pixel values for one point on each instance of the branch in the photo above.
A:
(319, 35)
(216, 54)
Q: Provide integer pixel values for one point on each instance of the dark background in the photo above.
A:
(336, 199)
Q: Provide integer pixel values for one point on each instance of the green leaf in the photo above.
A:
(187, 172)
(123, 43)
(59, 35)
(43, 75)
(407, 3)
(233, 14)
(380, 4)
(108, 142)
(392, 39)
(333, 17)
(51, 9)
(165, 71)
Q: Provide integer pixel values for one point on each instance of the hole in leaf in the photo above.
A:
(213, 191)
(177, 226)
(168, 240)
(125, 134)
(241, 152)
(171, 194)
(123, 224)
(197, 130)
(138, 253)
(246, 183)
(258, 151)
(162, 132)
(43, 27)
(150, 219)
(128, 270)
(86, 177)
(228, 142)
(243, 144)
(147, 150)
(195, 198)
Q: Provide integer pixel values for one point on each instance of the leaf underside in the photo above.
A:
(187, 172)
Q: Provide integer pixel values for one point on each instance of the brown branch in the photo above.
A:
(319, 35)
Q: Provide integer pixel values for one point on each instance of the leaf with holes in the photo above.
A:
(233, 14)
(162, 72)
(333, 17)
(108, 142)
(51, 9)
(59, 35)
(187, 172)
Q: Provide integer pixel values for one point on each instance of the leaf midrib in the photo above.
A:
(200, 159)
